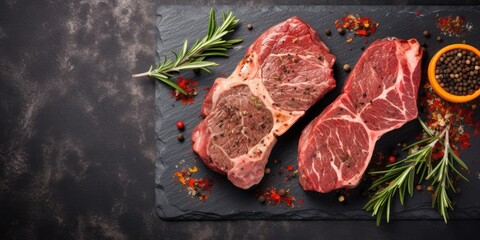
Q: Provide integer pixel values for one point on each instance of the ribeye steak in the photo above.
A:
(379, 95)
(284, 72)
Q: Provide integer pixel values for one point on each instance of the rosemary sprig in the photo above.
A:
(212, 45)
(400, 176)
(440, 176)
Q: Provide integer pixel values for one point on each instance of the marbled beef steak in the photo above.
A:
(379, 95)
(284, 72)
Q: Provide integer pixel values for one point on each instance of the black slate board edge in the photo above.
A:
(168, 211)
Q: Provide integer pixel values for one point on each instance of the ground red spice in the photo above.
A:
(273, 197)
(441, 113)
(190, 86)
(453, 26)
(358, 25)
(197, 187)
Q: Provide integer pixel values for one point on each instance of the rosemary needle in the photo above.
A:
(399, 177)
(212, 45)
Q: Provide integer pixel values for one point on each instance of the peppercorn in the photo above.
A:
(267, 170)
(249, 26)
(328, 32)
(341, 198)
(180, 125)
(418, 187)
(282, 192)
(439, 39)
(457, 72)
(346, 68)
(426, 34)
(261, 199)
(180, 137)
(341, 31)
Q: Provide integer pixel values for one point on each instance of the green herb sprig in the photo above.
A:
(212, 45)
(400, 176)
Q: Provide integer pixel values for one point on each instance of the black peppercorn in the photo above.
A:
(180, 137)
(328, 32)
(456, 72)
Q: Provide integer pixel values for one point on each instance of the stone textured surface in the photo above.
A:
(77, 146)
(229, 202)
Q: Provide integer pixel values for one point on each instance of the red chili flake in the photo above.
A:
(190, 86)
(476, 127)
(453, 26)
(362, 32)
(437, 154)
(458, 116)
(272, 197)
(464, 141)
(197, 187)
(358, 25)
(290, 168)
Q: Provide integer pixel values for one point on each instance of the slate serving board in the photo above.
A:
(175, 23)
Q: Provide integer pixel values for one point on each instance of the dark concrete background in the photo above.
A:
(77, 141)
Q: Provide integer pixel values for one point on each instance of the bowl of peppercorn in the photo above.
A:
(454, 71)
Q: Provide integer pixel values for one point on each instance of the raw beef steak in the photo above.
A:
(284, 72)
(379, 95)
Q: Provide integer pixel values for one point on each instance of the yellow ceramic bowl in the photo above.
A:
(433, 80)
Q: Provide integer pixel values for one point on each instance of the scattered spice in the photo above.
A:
(249, 26)
(328, 32)
(392, 159)
(418, 187)
(197, 187)
(442, 113)
(453, 26)
(346, 68)
(439, 39)
(356, 24)
(426, 34)
(190, 87)
(180, 137)
(180, 125)
(272, 196)
(292, 172)
(341, 198)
